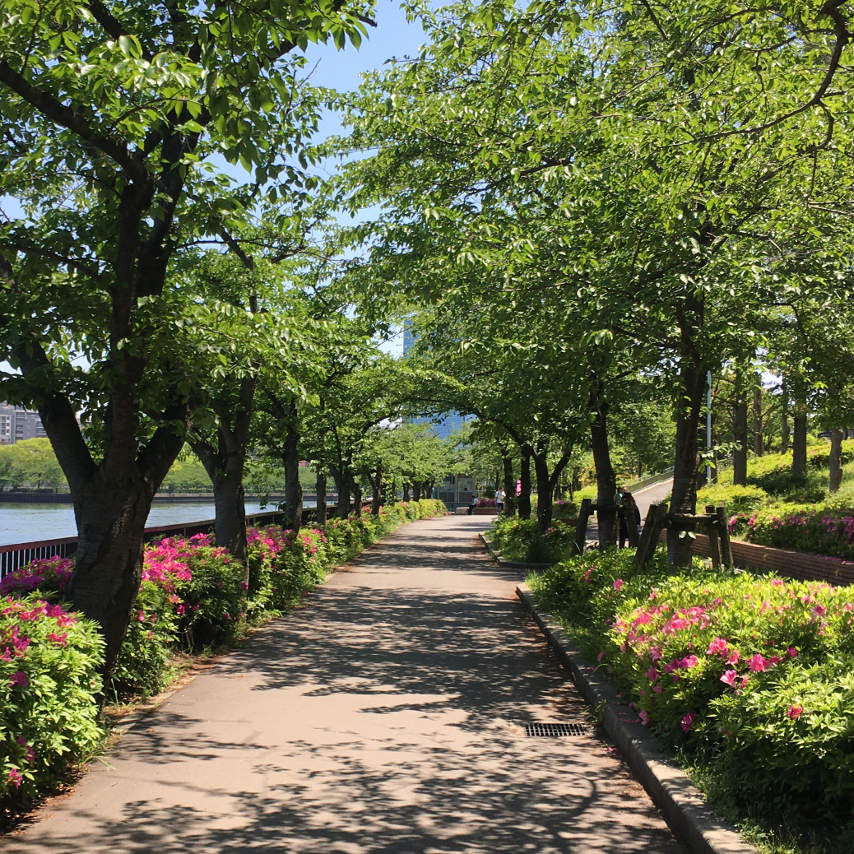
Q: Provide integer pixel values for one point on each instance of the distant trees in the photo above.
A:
(30, 464)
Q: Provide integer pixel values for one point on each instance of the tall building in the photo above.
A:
(18, 423)
(442, 425)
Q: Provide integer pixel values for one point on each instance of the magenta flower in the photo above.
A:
(757, 664)
(792, 652)
(717, 647)
(618, 583)
(686, 721)
(795, 712)
(19, 678)
(15, 777)
(729, 677)
(644, 717)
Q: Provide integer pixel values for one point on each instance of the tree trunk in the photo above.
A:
(224, 465)
(524, 497)
(692, 380)
(376, 488)
(509, 484)
(108, 561)
(320, 488)
(293, 487)
(406, 488)
(342, 488)
(606, 479)
(739, 429)
(835, 459)
(356, 489)
(544, 491)
(416, 490)
(758, 426)
(799, 439)
(784, 417)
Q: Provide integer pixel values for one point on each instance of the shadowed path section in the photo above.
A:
(385, 716)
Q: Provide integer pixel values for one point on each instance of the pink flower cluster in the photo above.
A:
(52, 572)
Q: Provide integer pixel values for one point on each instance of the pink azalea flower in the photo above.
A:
(19, 678)
(757, 664)
(686, 721)
(618, 583)
(644, 717)
(601, 655)
(729, 677)
(717, 647)
(795, 712)
(15, 777)
(652, 674)
(792, 652)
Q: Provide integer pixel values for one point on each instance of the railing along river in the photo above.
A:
(16, 555)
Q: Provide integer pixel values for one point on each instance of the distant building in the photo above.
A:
(18, 423)
(442, 425)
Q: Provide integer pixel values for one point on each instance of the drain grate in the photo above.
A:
(542, 730)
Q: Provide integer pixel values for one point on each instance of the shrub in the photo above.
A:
(205, 585)
(749, 675)
(49, 664)
(736, 499)
(520, 540)
(806, 529)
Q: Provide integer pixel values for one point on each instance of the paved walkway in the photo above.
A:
(385, 716)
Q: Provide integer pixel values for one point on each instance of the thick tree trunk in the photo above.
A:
(224, 465)
(509, 484)
(108, 562)
(356, 490)
(692, 381)
(293, 488)
(835, 459)
(524, 497)
(376, 487)
(416, 491)
(606, 479)
(739, 429)
(544, 491)
(343, 506)
(320, 488)
(799, 439)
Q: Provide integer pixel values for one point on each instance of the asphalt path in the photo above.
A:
(385, 716)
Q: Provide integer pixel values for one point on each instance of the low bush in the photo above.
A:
(736, 499)
(749, 676)
(49, 665)
(805, 529)
(520, 540)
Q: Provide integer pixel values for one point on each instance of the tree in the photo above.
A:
(114, 112)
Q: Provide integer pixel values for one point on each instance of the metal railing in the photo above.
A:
(17, 555)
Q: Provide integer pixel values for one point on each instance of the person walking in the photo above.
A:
(499, 499)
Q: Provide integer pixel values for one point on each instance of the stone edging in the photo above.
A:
(691, 820)
(496, 556)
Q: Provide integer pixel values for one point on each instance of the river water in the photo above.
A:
(26, 523)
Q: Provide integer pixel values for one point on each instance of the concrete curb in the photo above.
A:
(694, 824)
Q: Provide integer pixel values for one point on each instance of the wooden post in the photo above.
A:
(649, 536)
(714, 539)
(723, 532)
(581, 525)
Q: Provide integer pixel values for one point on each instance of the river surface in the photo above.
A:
(27, 523)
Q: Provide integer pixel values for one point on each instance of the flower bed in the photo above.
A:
(806, 529)
(752, 677)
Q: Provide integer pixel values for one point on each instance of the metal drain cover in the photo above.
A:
(552, 730)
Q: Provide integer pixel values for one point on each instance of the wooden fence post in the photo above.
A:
(655, 517)
(631, 523)
(723, 531)
(714, 538)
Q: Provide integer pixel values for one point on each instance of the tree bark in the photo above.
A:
(784, 417)
(739, 429)
(606, 479)
(524, 497)
(376, 487)
(799, 438)
(320, 487)
(692, 380)
(509, 484)
(293, 487)
(835, 459)
(343, 490)
(544, 491)
(758, 426)
(356, 489)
